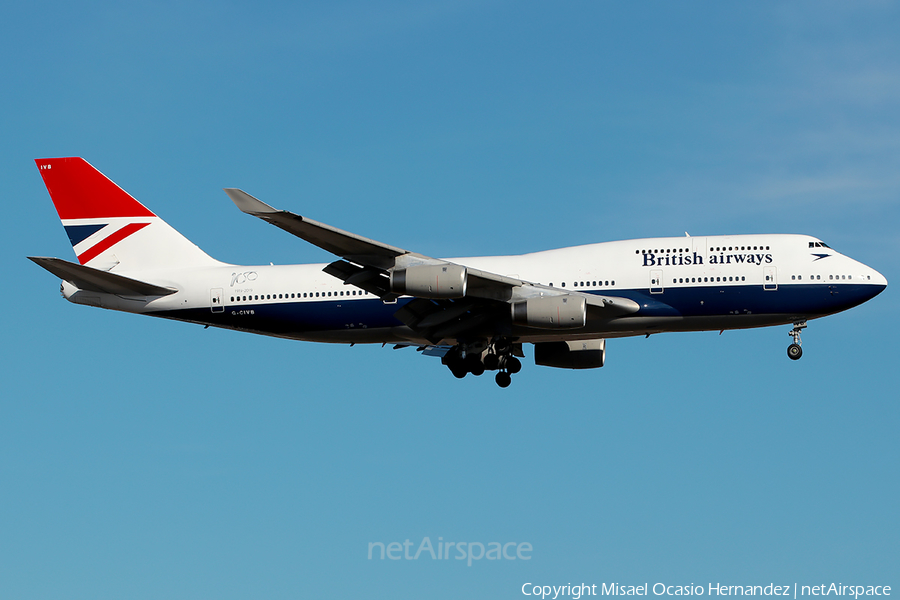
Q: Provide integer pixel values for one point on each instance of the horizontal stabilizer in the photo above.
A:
(95, 280)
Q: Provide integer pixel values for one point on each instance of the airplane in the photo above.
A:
(475, 313)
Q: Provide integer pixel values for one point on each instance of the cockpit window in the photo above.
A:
(819, 245)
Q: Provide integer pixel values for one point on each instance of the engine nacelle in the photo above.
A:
(585, 354)
(551, 312)
(430, 281)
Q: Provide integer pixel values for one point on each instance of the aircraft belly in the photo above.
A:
(347, 321)
(812, 300)
(675, 309)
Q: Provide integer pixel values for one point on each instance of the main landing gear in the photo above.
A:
(794, 351)
(477, 358)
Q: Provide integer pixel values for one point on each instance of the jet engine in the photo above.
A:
(584, 354)
(430, 281)
(551, 312)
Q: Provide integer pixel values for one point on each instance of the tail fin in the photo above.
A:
(107, 226)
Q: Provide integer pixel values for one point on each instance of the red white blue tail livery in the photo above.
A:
(107, 226)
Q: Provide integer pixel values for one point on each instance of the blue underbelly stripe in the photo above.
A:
(295, 317)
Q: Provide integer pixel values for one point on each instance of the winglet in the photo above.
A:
(247, 203)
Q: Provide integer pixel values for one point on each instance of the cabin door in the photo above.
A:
(215, 300)
(656, 281)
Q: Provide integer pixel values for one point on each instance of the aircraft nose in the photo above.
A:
(878, 281)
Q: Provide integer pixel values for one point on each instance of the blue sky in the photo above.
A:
(146, 459)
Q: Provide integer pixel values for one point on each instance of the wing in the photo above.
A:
(366, 263)
(451, 300)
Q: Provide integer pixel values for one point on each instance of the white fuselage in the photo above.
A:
(681, 284)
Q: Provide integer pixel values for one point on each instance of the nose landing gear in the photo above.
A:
(794, 351)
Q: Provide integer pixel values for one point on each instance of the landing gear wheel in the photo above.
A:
(474, 365)
(455, 363)
(794, 350)
(491, 362)
(503, 379)
(513, 364)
